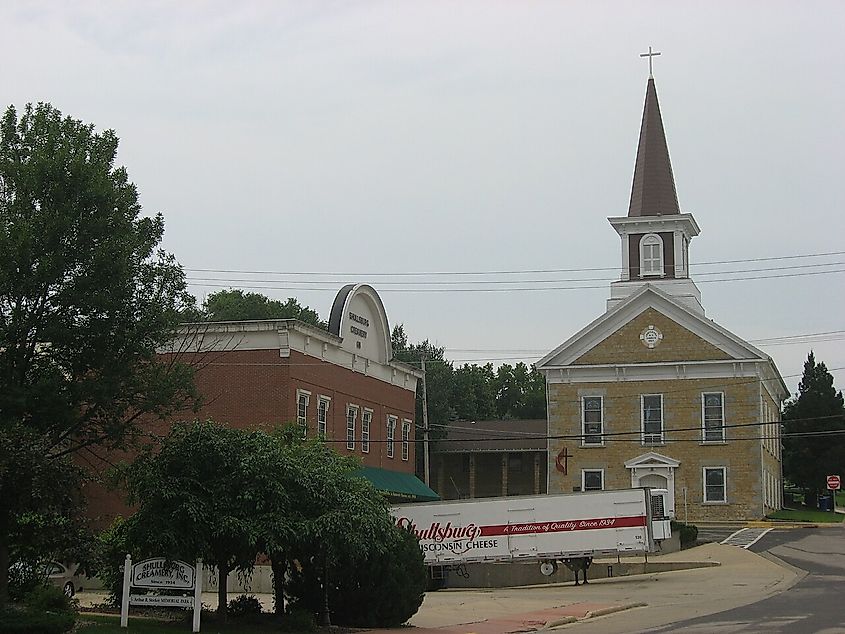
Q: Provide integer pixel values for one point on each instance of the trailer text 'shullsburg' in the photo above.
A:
(547, 528)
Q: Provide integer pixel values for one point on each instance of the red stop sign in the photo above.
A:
(833, 482)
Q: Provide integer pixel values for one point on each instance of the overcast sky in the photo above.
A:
(359, 139)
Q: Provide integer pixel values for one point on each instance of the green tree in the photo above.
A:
(237, 305)
(520, 392)
(319, 515)
(816, 409)
(86, 297)
(197, 495)
(473, 392)
(439, 374)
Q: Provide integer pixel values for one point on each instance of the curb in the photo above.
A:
(611, 609)
(614, 608)
(564, 620)
(799, 573)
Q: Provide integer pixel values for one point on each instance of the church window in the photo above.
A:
(714, 484)
(351, 417)
(302, 410)
(652, 418)
(651, 255)
(592, 479)
(592, 420)
(713, 416)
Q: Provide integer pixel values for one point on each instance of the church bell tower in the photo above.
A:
(655, 234)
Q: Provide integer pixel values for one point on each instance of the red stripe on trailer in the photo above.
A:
(564, 526)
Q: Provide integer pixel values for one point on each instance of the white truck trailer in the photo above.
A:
(571, 528)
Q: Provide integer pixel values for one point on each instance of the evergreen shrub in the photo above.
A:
(378, 591)
(688, 533)
(244, 606)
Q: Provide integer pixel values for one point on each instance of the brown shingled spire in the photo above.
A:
(653, 191)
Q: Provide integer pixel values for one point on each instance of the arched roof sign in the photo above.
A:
(358, 317)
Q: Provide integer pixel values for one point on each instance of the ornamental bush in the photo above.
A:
(688, 533)
(244, 606)
(378, 591)
(43, 610)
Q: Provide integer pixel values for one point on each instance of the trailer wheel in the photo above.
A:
(548, 568)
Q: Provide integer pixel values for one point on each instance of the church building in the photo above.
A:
(652, 392)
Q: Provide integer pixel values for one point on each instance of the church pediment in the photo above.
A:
(650, 327)
(652, 459)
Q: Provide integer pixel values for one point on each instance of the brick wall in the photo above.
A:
(251, 389)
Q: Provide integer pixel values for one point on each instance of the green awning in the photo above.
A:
(398, 486)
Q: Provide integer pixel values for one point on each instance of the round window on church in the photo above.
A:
(651, 336)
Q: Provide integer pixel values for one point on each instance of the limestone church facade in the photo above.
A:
(653, 393)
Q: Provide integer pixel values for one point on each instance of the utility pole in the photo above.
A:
(425, 425)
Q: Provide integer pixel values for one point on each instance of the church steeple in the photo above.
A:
(655, 234)
(653, 190)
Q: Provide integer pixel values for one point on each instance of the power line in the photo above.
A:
(520, 281)
(638, 441)
(502, 272)
(638, 432)
(265, 285)
(808, 336)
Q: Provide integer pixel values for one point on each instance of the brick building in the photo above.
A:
(343, 384)
(653, 393)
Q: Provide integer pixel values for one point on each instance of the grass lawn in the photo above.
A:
(807, 515)
(103, 624)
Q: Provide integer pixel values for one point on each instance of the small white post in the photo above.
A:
(198, 579)
(124, 601)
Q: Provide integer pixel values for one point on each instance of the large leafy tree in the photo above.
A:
(225, 495)
(814, 415)
(196, 497)
(86, 296)
(236, 305)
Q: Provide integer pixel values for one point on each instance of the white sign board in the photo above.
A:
(170, 602)
(833, 482)
(159, 573)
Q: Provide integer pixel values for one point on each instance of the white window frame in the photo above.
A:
(303, 397)
(391, 434)
(720, 430)
(406, 439)
(366, 420)
(584, 473)
(323, 412)
(584, 434)
(655, 265)
(648, 438)
(351, 417)
(724, 471)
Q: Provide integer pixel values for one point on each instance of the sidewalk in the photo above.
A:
(616, 605)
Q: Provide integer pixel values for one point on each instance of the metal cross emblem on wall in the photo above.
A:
(562, 460)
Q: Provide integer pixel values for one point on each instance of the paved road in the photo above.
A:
(814, 604)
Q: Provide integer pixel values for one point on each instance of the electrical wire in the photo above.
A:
(503, 272)
(265, 286)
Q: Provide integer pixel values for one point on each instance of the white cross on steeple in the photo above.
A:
(650, 56)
